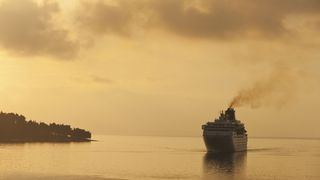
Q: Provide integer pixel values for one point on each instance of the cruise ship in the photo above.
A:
(225, 134)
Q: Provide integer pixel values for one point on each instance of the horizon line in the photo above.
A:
(257, 137)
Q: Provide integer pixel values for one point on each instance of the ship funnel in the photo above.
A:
(230, 114)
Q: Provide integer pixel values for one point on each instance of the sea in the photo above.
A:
(157, 158)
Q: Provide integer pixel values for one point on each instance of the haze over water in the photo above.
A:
(142, 157)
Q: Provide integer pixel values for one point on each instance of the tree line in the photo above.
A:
(15, 127)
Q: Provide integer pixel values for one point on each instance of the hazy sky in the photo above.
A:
(162, 67)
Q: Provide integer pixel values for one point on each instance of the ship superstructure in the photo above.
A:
(225, 134)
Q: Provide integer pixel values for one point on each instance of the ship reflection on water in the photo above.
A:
(224, 166)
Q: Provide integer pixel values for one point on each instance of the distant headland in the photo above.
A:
(15, 128)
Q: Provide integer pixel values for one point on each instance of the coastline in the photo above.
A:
(45, 140)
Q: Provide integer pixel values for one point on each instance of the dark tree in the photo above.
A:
(15, 128)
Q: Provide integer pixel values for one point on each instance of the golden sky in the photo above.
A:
(162, 67)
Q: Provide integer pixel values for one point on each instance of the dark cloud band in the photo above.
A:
(198, 18)
(27, 29)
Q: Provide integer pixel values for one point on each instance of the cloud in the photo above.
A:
(102, 80)
(100, 17)
(27, 28)
(197, 18)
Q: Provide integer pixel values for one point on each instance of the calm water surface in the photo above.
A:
(123, 157)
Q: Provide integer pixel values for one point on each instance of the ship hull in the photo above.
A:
(225, 143)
